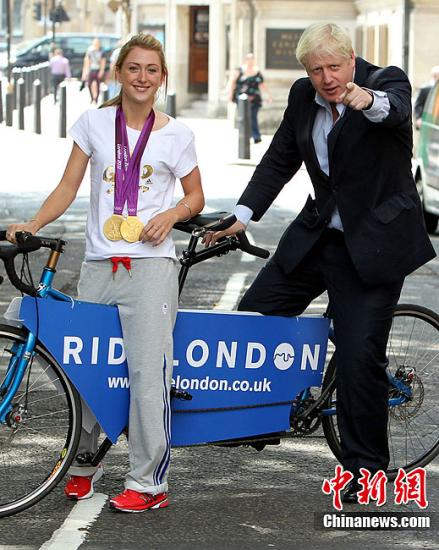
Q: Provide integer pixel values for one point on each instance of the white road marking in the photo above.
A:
(232, 292)
(73, 531)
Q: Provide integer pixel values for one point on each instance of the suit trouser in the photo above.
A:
(147, 303)
(362, 317)
(56, 81)
(254, 110)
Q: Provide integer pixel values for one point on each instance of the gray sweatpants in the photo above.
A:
(147, 303)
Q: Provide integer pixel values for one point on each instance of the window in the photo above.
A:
(16, 16)
(75, 45)
(42, 49)
(201, 26)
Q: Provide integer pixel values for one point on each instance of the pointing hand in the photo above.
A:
(355, 97)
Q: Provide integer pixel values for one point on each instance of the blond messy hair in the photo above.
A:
(147, 42)
(324, 39)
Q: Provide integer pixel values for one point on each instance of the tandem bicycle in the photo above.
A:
(258, 380)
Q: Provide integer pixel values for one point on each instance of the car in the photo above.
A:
(426, 163)
(73, 45)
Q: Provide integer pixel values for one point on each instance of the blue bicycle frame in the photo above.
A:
(23, 353)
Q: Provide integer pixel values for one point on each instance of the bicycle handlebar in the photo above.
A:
(26, 242)
(245, 246)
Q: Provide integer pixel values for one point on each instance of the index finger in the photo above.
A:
(342, 96)
(348, 88)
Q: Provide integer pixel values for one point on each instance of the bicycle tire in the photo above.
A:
(35, 456)
(412, 428)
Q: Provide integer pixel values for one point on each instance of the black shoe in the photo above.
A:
(349, 495)
(258, 140)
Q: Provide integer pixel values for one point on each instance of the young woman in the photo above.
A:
(248, 79)
(129, 228)
(93, 69)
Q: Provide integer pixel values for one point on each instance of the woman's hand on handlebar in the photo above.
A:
(211, 237)
(30, 227)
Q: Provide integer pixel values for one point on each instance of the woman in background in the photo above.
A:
(93, 69)
(248, 79)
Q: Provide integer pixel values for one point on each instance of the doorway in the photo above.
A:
(199, 49)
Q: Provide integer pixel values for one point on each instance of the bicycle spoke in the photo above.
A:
(413, 361)
(45, 399)
(31, 449)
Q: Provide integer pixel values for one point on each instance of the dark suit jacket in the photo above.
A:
(370, 181)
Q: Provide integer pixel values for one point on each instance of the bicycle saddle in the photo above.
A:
(201, 220)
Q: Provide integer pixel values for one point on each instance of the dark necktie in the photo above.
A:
(335, 114)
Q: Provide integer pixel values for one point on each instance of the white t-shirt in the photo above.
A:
(169, 154)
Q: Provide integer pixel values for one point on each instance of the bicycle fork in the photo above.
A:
(21, 355)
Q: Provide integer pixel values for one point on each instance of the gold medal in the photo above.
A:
(112, 228)
(131, 228)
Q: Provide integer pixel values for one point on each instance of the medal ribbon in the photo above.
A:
(126, 183)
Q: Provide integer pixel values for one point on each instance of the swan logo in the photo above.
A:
(283, 356)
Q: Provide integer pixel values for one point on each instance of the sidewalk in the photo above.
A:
(35, 163)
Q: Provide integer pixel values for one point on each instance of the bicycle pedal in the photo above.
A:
(180, 394)
(84, 458)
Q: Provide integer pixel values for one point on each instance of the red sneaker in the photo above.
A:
(81, 487)
(133, 501)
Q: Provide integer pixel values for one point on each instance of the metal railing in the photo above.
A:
(27, 87)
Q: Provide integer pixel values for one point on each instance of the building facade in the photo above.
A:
(206, 39)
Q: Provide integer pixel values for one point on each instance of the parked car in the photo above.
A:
(426, 164)
(74, 46)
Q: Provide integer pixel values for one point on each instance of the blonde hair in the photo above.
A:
(323, 39)
(147, 42)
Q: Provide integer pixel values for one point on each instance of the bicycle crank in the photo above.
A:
(304, 424)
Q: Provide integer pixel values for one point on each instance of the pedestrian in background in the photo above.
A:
(421, 98)
(59, 69)
(248, 79)
(131, 230)
(350, 123)
(93, 69)
(52, 49)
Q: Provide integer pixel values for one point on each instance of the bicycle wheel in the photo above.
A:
(413, 354)
(39, 439)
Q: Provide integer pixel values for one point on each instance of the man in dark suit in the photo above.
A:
(421, 98)
(350, 123)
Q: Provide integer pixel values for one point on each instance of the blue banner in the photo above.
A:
(242, 370)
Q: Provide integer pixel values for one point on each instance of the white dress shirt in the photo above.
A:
(323, 124)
